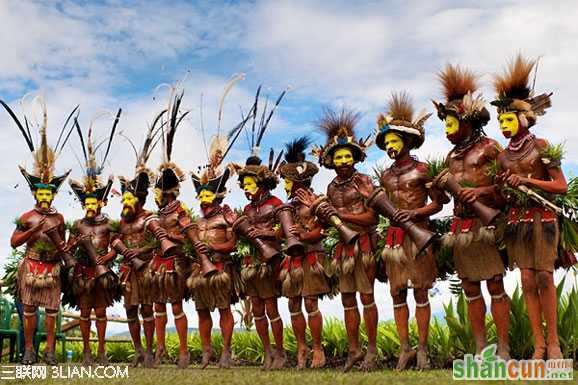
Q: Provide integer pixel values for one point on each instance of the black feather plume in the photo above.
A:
(81, 137)
(295, 150)
(112, 131)
(13, 115)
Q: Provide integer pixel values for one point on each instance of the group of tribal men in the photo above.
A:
(169, 256)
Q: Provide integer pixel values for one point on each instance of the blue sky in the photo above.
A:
(111, 54)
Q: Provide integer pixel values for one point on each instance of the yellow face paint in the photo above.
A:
(129, 202)
(393, 144)
(342, 157)
(452, 125)
(206, 196)
(250, 185)
(91, 206)
(288, 186)
(44, 197)
(158, 196)
(509, 124)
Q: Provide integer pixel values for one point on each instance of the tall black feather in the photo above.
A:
(254, 109)
(277, 161)
(63, 129)
(13, 116)
(270, 115)
(271, 155)
(81, 137)
(295, 150)
(111, 136)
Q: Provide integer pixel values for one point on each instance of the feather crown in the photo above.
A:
(91, 185)
(514, 93)
(462, 100)
(400, 118)
(339, 127)
(295, 167)
(44, 155)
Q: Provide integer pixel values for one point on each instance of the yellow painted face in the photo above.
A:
(452, 125)
(509, 124)
(393, 144)
(129, 202)
(342, 157)
(158, 196)
(44, 197)
(91, 207)
(206, 197)
(250, 185)
(288, 186)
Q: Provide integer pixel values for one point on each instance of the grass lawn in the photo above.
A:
(254, 376)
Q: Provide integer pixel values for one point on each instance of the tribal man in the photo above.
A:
(42, 231)
(302, 276)
(94, 286)
(137, 246)
(408, 185)
(355, 262)
(475, 252)
(532, 233)
(211, 282)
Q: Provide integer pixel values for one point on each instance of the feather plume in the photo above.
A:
(457, 82)
(228, 88)
(400, 106)
(335, 123)
(540, 103)
(514, 82)
(295, 150)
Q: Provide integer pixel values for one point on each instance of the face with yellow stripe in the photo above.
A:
(92, 207)
(44, 197)
(509, 124)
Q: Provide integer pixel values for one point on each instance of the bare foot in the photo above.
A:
(279, 359)
(138, 358)
(207, 354)
(554, 351)
(318, 359)
(352, 359)
(87, 358)
(423, 360)
(183, 361)
(405, 359)
(102, 359)
(539, 352)
(50, 358)
(149, 359)
(267, 360)
(225, 362)
(29, 357)
(370, 361)
(504, 351)
(302, 357)
(159, 354)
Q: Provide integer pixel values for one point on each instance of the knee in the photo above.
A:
(472, 289)
(85, 311)
(258, 308)
(496, 286)
(294, 305)
(132, 313)
(29, 309)
(160, 308)
(367, 299)
(529, 281)
(271, 307)
(400, 297)
(348, 300)
(311, 305)
(177, 308)
(146, 311)
(421, 296)
(204, 313)
(100, 312)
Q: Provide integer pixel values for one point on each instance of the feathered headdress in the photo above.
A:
(44, 155)
(461, 100)
(295, 167)
(144, 176)
(399, 118)
(170, 175)
(265, 175)
(515, 95)
(210, 176)
(340, 130)
(91, 186)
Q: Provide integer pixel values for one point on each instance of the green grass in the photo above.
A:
(254, 376)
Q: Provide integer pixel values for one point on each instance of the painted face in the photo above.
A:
(129, 202)
(250, 185)
(393, 144)
(288, 186)
(158, 197)
(509, 124)
(452, 125)
(206, 197)
(44, 197)
(91, 207)
(342, 157)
